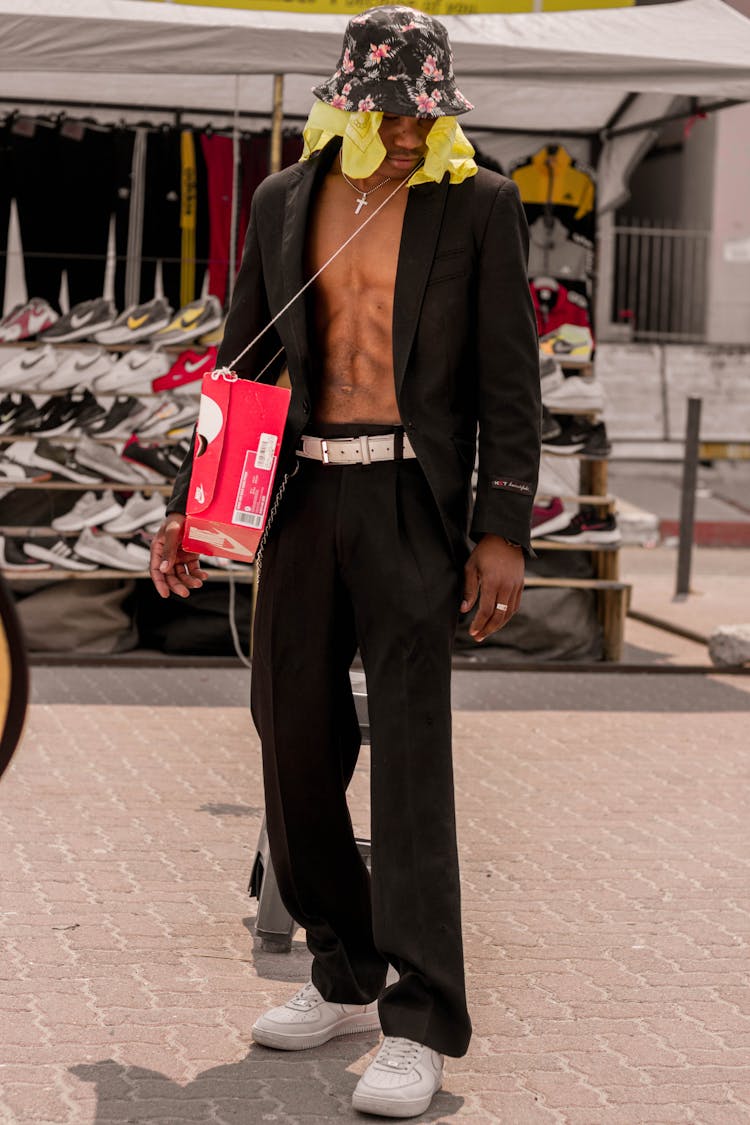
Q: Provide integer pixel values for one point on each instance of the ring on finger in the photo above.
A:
(502, 606)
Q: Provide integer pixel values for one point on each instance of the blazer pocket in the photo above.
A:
(448, 265)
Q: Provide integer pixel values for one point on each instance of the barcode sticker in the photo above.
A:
(254, 491)
(266, 450)
(249, 519)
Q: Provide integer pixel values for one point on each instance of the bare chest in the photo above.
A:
(368, 264)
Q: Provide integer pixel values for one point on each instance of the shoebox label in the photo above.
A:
(238, 435)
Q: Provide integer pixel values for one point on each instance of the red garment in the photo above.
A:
(555, 305)
(217, 152)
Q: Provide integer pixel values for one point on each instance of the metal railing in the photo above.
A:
(661, 281)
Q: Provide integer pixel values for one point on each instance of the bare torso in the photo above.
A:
(353, 302)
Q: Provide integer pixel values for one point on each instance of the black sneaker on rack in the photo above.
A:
(124, 415)
(587, 527)
(57, 553)
(13, 556)
(82, 321)
(18, 414)
(59, 460)
(597, 445)
(57, 415)
(152, 457)
(570, 438)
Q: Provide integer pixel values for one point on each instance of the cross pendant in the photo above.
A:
(360, 204)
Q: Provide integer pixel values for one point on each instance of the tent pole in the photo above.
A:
(277, 122)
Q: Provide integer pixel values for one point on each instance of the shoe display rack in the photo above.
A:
(118, 480)
(592, 495)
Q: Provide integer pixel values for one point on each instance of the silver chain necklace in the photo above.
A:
(362, 201)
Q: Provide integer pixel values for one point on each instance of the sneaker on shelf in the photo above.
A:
(13, 556)
(90, 510)
(79, 368)
(137, 323)
(111, 466)
(570, 438)
(550, 426)
(82, 321)
(588, 526)
(134, 373)
(18, 414)
(173, 411)
(569, 341)
(27, 321)
(63, 413)
(548, 517)
(307, 1020)
(212, 338)
(154, 458)
(26, 371)
(576, 393)
(61, 462)
(122, 418)
(597, 445)
(138, 511)
(550, 374)
(401, 1081)
(191, 321)
(187, 368)
(104, 549)
(12, 471)
(57, 553)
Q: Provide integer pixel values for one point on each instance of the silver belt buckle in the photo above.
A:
(324, 451)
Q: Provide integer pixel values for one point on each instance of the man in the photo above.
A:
(417, 333)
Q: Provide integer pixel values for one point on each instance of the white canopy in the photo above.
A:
(561, 73)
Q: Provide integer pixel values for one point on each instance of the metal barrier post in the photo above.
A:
(687, 501)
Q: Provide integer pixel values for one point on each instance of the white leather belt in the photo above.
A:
(354, 450)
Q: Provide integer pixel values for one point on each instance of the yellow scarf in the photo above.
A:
(363, 152)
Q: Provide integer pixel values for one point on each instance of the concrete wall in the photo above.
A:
(647, 387)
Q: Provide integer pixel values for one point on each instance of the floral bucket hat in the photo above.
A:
(395, 60)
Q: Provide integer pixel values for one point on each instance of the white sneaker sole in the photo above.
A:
(284, 1041)
(384, 1106)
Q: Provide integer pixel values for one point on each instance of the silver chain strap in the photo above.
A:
(271, 517)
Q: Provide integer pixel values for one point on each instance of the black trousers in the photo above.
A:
(358, 557)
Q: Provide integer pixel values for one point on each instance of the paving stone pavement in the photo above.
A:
(606, 881)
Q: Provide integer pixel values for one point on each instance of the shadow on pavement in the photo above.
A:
(264, 1086)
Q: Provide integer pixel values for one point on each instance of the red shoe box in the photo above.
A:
(237, 443)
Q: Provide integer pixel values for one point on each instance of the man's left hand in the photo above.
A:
(494, 572)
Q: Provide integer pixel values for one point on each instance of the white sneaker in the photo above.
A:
(133, 373)
(90, 510)
(576, 393)
(78, 368)
(400, 1081)
(138, 512)
(307, 1020)
(27, 370)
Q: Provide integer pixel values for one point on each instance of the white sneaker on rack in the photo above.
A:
(307, 1020)
(78, 368)
(133, 373)
(108, 551)
(26, 371)
(90, 510)
(139, 511)
(575, 393)
(401, 1080)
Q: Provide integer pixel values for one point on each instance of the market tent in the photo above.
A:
(562, 73)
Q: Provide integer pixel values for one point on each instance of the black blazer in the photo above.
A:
(465, 350)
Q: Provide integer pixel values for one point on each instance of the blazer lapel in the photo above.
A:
(419, 238)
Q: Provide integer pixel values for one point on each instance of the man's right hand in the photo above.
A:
(172, 569)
